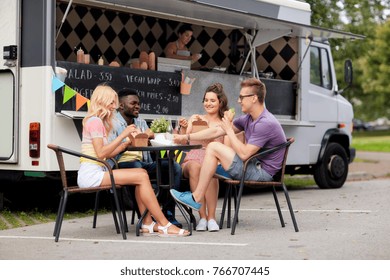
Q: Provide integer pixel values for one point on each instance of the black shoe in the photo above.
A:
(172, 219)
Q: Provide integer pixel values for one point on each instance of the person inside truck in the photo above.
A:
(128, 114)
(261, 129)
(96, 127)
(215, 103)
(178, 49)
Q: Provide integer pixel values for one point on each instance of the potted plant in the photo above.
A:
(160, 127)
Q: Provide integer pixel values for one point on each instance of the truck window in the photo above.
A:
(320, 74)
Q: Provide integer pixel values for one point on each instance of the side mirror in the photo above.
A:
(348, 72)
(348, 75)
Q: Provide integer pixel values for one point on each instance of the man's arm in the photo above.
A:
(243, 150)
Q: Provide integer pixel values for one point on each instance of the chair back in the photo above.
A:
(279, 176)
(61, 164)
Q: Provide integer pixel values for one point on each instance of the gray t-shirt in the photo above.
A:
(265, 132)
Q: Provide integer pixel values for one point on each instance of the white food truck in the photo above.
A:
(42, 85)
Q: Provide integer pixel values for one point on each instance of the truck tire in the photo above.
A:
(332, 172)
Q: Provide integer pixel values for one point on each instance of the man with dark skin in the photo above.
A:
(127, 114)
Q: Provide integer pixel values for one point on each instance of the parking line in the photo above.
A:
(125, 241)
(307, 210)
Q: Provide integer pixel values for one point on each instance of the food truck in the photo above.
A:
(56, 52)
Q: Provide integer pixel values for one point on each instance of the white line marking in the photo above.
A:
(307, 210)
(124, 241)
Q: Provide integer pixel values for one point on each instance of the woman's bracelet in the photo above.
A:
(188, 138)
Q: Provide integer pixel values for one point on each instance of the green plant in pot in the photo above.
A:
(160, 125)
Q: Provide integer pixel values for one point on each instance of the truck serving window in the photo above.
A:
(320, 74)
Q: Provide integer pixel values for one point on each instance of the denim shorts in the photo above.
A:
(254, 171)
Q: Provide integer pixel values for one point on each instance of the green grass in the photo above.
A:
(372, 141)
(16, 219)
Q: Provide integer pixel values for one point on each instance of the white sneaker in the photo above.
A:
(202, 225)
(212, 225)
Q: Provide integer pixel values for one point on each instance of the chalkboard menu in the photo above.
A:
(159, 92)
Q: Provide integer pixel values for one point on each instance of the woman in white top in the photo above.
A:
(178, 49)
(96, 126)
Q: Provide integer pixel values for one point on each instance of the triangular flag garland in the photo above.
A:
(56, 84)
(69, 93)
(80, 101)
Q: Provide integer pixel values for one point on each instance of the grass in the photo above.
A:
(13, 219)
(372, 141)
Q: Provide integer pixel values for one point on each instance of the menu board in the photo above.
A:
(159, 92)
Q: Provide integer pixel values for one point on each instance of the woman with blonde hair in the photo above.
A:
(215, 103)
(96, 126)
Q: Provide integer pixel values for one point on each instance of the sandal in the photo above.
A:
(165, 233)
(148, 230)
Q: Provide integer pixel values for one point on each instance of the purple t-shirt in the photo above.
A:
(265, 132)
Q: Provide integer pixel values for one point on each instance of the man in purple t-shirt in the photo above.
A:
(262, 130)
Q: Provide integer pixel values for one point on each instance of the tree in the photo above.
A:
(359, 17)
(377, 72)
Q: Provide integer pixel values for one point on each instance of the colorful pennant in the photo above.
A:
(80, 101)
(69, 93)
(56, 84)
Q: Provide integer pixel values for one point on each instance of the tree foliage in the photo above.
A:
(365, 17)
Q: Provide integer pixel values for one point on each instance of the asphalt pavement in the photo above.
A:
(350, 223)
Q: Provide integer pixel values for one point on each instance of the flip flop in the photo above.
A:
(165, 233)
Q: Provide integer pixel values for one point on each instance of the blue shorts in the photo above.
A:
(254, 171)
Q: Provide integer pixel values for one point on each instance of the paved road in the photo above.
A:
(348, 223)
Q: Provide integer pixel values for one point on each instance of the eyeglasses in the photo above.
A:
(241, 97)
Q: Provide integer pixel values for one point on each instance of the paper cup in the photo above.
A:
(185, 88)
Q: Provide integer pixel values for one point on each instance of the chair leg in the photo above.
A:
(112, 203)
(119, 211)
(190, 218)
(229, 210)
(193, 219)
(123, 210)
(227, 190)
(235, 198)
(95, 212)
(278, 207)
(60, 216)
(290, 208)
(235, 219)
(133, 217)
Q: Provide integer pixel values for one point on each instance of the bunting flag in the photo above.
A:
(80, 101)
(180, 156)
(68, 94)
(56, 84)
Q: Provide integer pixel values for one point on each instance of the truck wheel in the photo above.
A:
(333, 170)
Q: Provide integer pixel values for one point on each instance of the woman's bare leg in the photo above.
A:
(211, 198)
(191, 171)
(144, 193)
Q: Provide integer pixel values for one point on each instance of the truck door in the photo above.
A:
(323, 104)
(9, 39)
